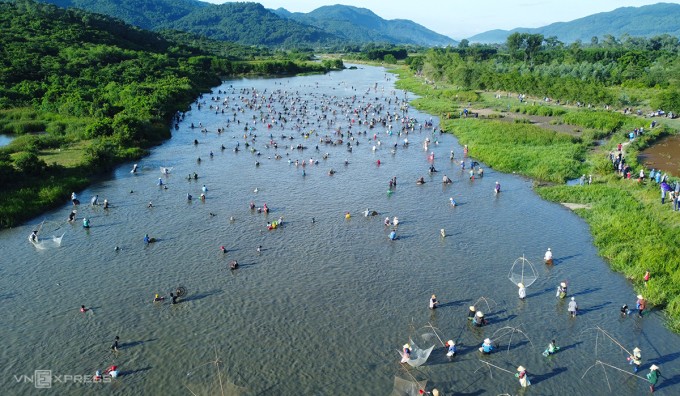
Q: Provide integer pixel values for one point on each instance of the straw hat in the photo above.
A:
(563, 284)
(479, 314)
(472, 307)
(639, 296)
(636, 349)
(520, 284)
(435, 392)
(487, 341)
(521, 368)
(653, 367)
(450, 342)
(406, 346)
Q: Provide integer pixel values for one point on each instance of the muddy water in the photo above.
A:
(664, 155)
(324, 306)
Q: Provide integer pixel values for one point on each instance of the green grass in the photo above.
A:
(521, 148)
(436, 106)
(607, 121)
(68, 157)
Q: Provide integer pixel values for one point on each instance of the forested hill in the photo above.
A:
(645, 21)
(245, 23)
(361, 25)
(251, 24)
(147, 14)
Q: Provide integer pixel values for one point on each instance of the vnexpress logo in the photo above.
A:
(42, 379)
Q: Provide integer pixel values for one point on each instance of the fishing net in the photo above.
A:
(43, 241)
(431, 334)
(522, 271)
(418, 355)
(404, 387)
(512, 336)
(181, 291)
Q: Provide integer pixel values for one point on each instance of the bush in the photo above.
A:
(99, 128)
(29, 164)
(602, 120)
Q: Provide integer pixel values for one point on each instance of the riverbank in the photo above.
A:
(42, 167)
(632, 230)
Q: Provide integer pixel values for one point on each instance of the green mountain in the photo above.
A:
(147, 14)
(361, 25)
(252, 24)
(646, 21)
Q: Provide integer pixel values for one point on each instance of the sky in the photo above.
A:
(460, 19)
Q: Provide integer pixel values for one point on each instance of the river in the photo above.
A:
(327, 303)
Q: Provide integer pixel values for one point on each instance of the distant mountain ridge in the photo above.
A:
(644, 21)
(363, 25)
(251, 24)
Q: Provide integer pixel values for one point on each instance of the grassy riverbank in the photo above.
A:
(630, 227)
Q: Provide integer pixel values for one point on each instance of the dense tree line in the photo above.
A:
(533, 64)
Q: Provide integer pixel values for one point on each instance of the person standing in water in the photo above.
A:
(522, 376)
(487, 347)
(451, 348)
(641, 304)
(471, 312)
(653, 376)
(433, 302)
(573, 307)
(114, 346)
(551, 349)
(635, 359)
(405, 353)
(548, 257)
(522, 291)
(561, 290)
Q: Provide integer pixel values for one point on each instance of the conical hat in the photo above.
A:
(521, 368)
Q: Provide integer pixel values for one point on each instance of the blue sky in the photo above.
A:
(463, 18)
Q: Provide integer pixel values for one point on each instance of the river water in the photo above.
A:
(663, 155)
(324, 307)
(5, 140)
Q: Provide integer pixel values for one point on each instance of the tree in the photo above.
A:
(594, 41)
(553, 42)
(390, 59)
(29, 164)
(464, 43)
(514, 42)
(533, 44)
